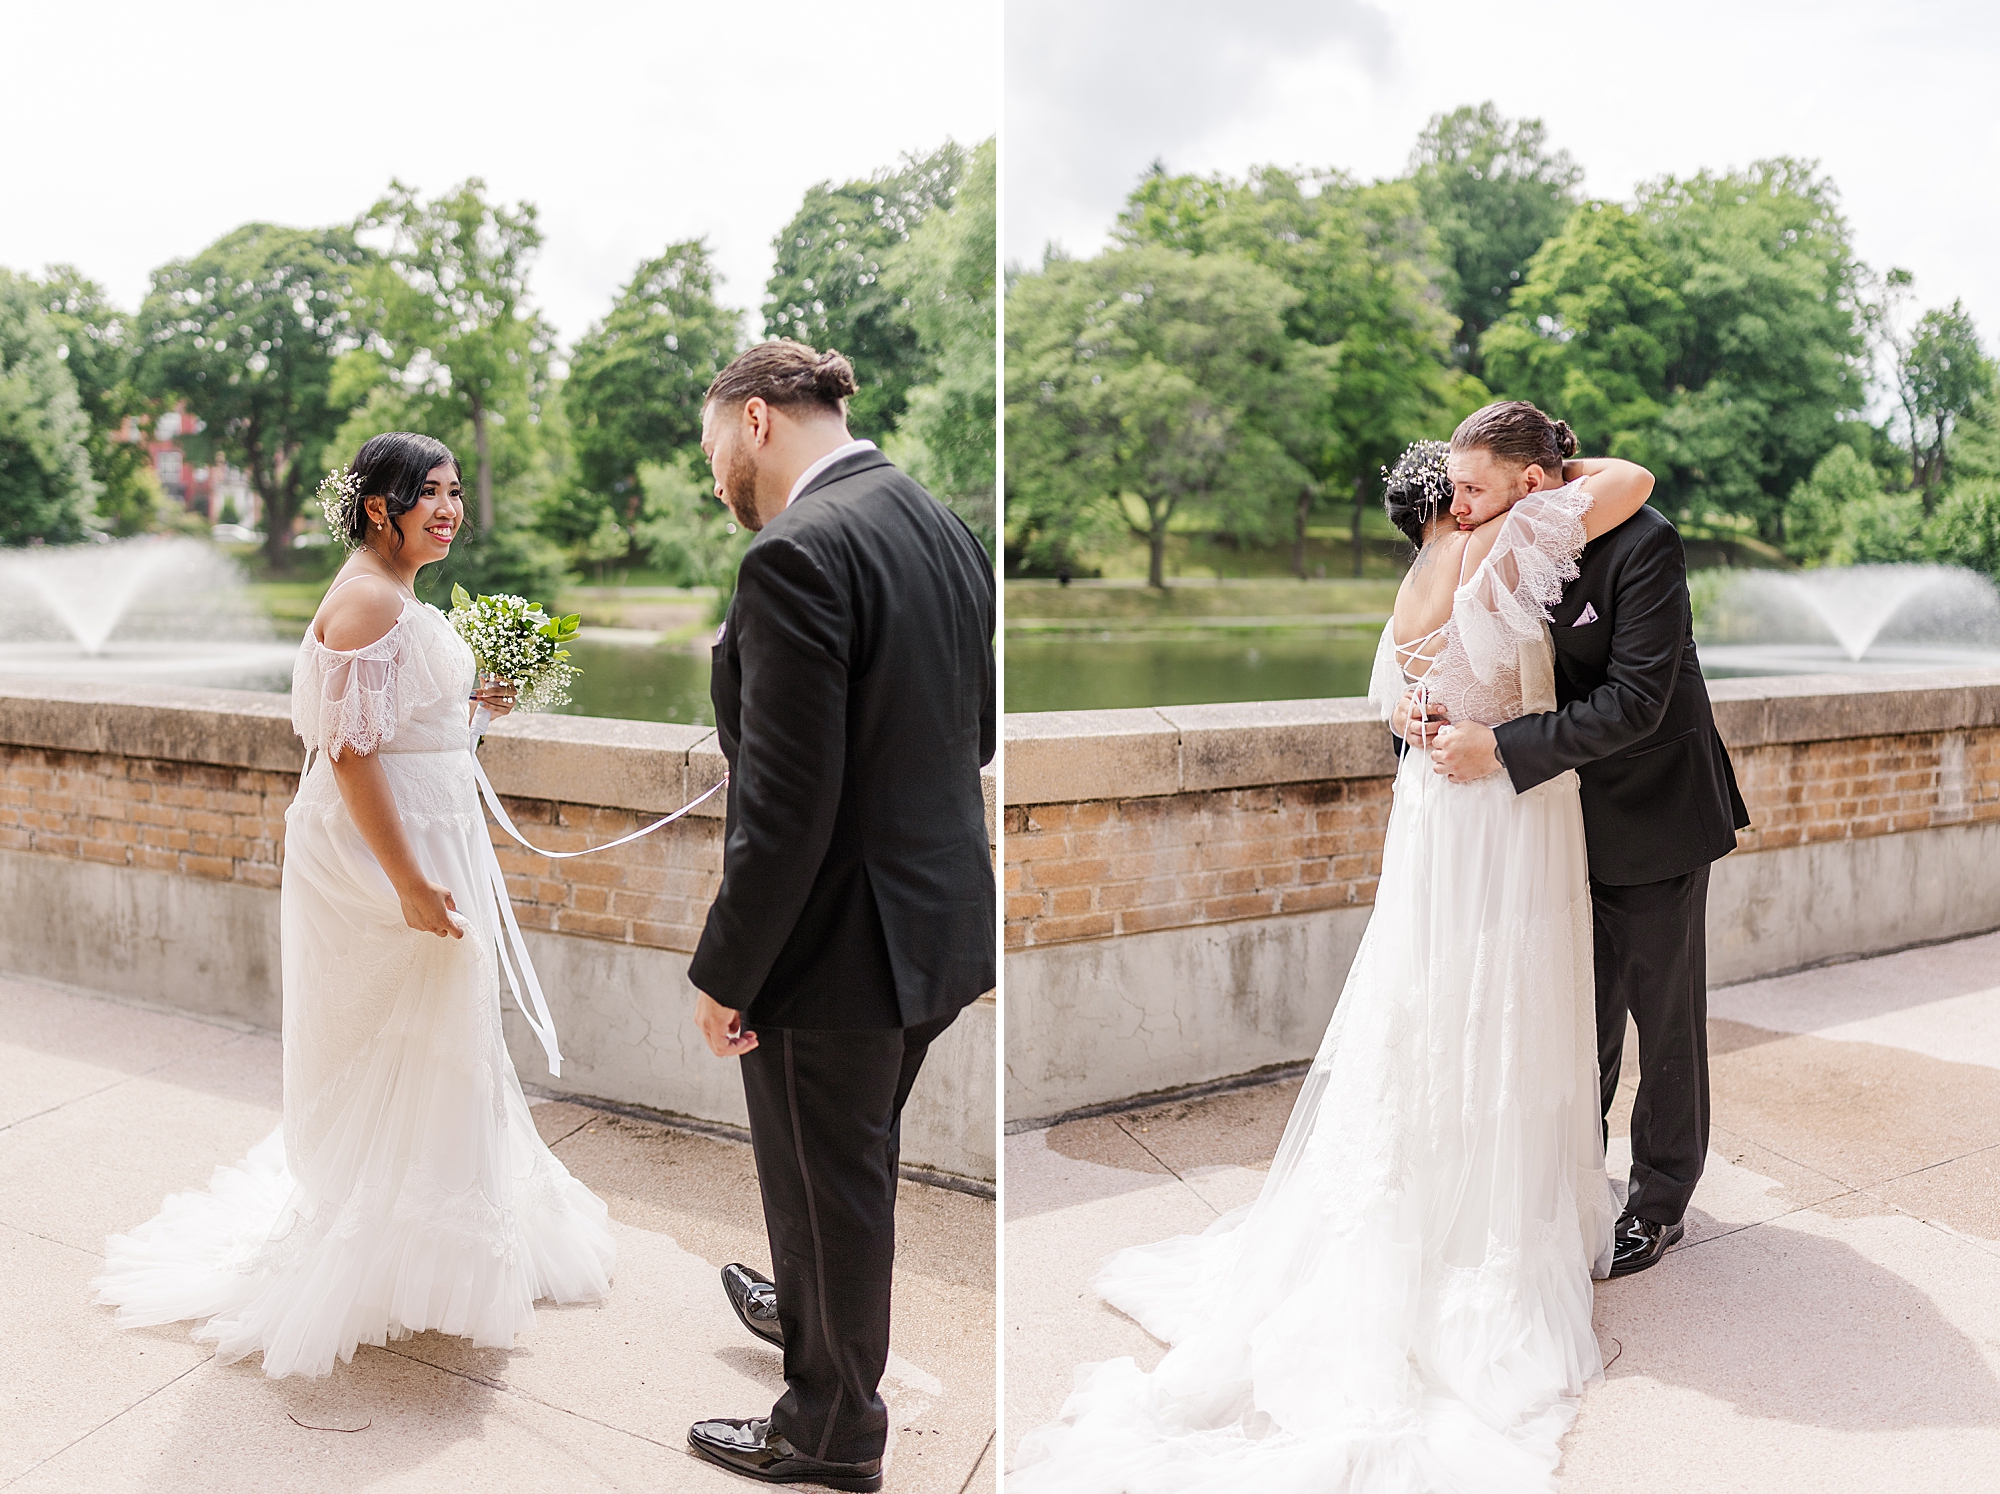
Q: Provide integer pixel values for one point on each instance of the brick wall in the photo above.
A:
(1800, 792)
(228, 824)
(1105, 867)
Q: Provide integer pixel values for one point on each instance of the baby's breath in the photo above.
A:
(514, 639)
(338, 492)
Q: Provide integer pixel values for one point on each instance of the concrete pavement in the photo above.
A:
(1832, 1322)
(105, 1108)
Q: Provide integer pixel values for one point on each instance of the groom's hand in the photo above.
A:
(727, 1037)
(1465, 753)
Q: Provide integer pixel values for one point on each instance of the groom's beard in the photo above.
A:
(739, 490)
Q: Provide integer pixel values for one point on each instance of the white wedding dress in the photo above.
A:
(406, 1188)
(1407, 1305)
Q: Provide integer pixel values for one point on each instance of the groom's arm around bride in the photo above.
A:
(854, 691)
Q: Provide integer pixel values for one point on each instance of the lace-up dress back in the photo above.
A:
(406, 1188)
(1406, 1306)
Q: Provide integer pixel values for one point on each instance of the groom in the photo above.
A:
(854, 699)
(1660, 803)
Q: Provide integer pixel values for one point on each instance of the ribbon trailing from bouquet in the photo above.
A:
(513, 948)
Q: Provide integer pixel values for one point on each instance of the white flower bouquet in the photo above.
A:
(514, 641)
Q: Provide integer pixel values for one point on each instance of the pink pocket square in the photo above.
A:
(1588, 615)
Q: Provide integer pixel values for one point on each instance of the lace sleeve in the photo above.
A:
(1506, 602)
(1385, 680)
(356, 698)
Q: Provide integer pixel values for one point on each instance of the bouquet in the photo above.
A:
(515, 642)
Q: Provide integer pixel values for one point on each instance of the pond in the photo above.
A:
(1100, 671)
(641, 682)
(1104, 671)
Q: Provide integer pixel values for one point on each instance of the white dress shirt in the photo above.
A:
(822, 464)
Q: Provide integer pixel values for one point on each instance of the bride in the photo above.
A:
(406, 1188)
(1407, 1305)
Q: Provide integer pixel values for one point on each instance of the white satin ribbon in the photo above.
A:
(539, 1021)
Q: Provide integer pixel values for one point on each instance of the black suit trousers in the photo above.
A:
(1652, 965)
(826, 1113)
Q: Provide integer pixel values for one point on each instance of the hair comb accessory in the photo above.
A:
(338, 492)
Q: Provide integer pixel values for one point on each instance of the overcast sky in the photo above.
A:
(1900, 103)
(136, 134)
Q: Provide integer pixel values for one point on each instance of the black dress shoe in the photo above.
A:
(752, 1449)
(755, 1298)
(1638, 1243)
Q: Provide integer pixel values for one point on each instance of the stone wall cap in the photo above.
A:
(1067, 756)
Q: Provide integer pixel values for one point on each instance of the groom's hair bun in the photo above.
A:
(1515, 431)
(786, 373)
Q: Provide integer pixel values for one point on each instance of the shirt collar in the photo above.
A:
(822, 464)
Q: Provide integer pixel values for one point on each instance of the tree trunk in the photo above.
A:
(1156, 561)
(1360, 503)
(277, 524)
(483, 446)
(1299, 534)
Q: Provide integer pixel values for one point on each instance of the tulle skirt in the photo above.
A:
(1407, 1305)
(406, 1188)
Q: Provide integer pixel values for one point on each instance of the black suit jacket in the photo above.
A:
(1632, 717)
(854, 698)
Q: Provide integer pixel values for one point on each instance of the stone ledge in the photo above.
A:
(1827, 707)
(1073, 756)
(653, 767)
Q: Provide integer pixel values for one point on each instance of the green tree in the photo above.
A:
(827, 287)
(637, 378)
(945, 278)
(685, 532)
(1815, 514)
(248, 332)
(46, 489)
(1146, 382)
(1365, 267)
(1966, 528)
(448, 298)
(1495, 193)
(99, 341)
(1712, 331)
(1940, 375)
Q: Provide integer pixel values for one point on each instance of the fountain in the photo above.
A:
(165, 610)
(1845, 619)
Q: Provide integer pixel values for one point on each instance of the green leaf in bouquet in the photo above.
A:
(459, 598)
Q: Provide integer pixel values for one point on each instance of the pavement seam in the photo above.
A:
(85, 1437)
(234, 1037)
(1169, 1170)
(979, 1462)
(52, 1240)
(534, 1400)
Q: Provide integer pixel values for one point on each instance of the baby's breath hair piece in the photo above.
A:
(1417, 487)
(1421, 469)
(339, 491)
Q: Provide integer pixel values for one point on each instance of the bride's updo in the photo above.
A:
(1515, 431)
(392, 467)
(1418, 488)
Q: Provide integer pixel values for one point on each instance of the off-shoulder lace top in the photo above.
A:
(1491, 660)
(407, 688)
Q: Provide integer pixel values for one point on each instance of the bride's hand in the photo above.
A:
(1405, 716)
(497, 696)
(428, 908)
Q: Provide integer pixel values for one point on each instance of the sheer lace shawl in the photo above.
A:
(359, 698)
(1496, 662)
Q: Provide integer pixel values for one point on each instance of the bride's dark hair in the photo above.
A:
(392, 467)
(1418, 489)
